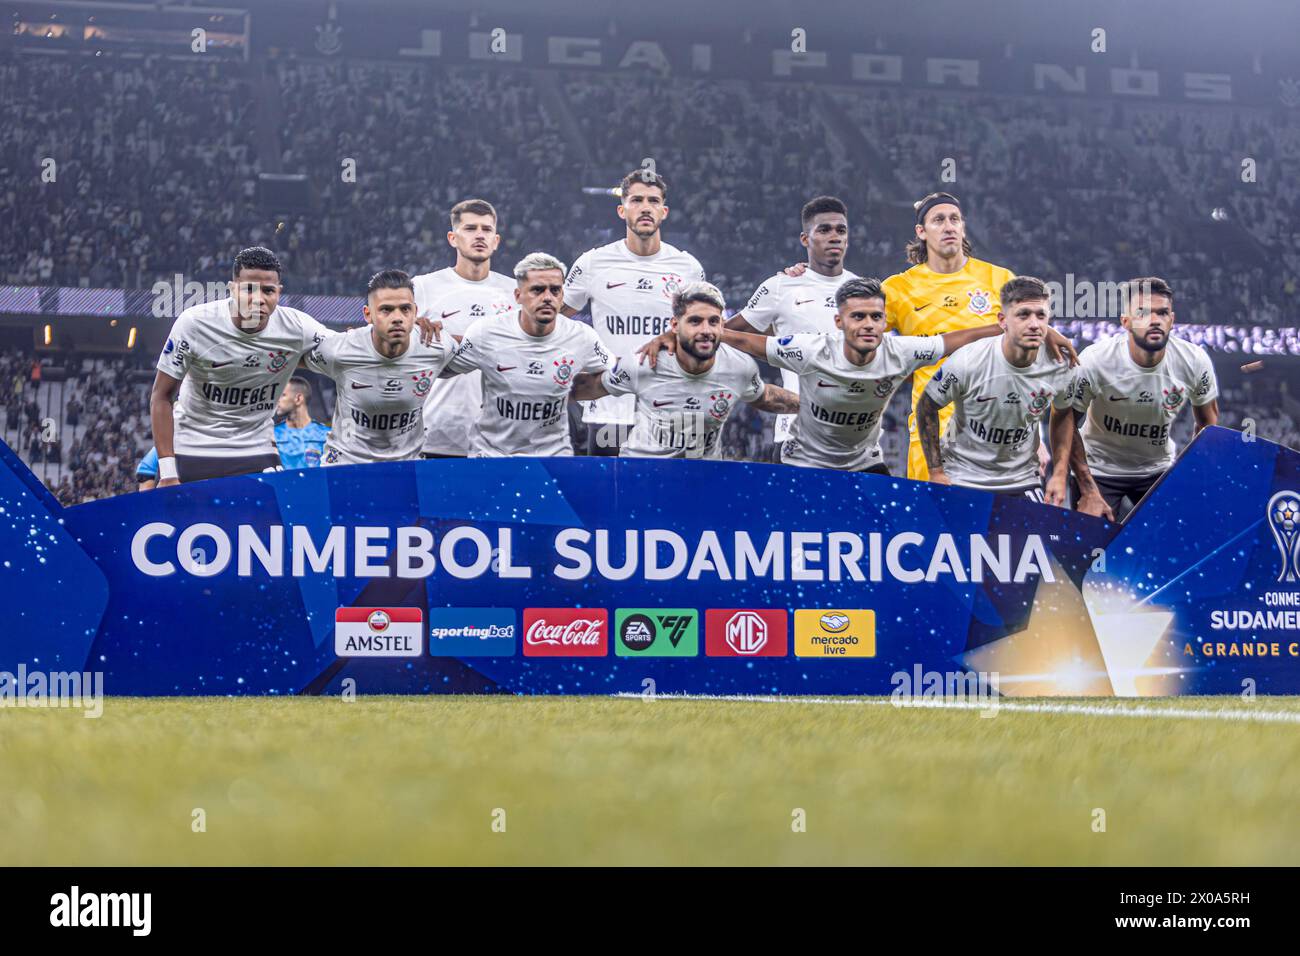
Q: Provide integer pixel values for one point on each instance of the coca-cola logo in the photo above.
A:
(574, 632)
(566, 632)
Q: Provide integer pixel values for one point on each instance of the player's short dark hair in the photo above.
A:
(819, 205)
(302, 385)
(917, 252)
(697, 292)
(1022, 289)
(858, 289)
(255, 257)
(389, 279)
(477, 207)
(646, 177)
(1149, 285)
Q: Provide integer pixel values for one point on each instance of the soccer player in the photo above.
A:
(945, 289)
(1000, 388)
(528, 360)
(683, 400)
(787, 304)
(299, 440)
(457, 297)
(146, 473)
(1131, 387)
(382, 377)
(629, 285)
(224, 366)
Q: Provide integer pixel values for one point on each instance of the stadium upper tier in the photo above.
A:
(156, 165)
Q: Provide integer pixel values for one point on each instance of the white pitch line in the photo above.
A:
(1089, 710)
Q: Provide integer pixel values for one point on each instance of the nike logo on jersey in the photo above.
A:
(446, 314)
(506, 368)
(614, 285)
(1119, 398)
(662, 404)
(220, 364)
(803, 301)
(918, 308)
(359, 385)
(985, 398)
(821, 384)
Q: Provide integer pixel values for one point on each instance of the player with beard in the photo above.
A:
(1131, 388)
(381, 377)
(299, 440)
(457, 297)
(802, 301)
(528, 359)
(683, 400)
(1001, 388)
(629, 286)
(223, 368)
(847, 377)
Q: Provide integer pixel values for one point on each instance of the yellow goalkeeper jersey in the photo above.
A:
(921, 301)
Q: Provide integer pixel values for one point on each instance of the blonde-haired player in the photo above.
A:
(946, 289)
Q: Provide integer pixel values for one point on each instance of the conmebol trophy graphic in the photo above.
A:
(1284, 522)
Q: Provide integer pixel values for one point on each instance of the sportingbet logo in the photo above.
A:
(835, 633)
(745, 632)
(472, 632)
(378, 632)
(657, 632)
(566, 632)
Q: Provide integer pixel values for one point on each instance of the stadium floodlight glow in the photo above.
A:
(130, 338)
(49, 334)
(603, 191)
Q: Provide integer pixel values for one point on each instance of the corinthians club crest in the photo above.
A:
(329, 35)
(1284, 521)
(980, 301)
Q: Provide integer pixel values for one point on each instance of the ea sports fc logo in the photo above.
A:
(980, 301)
(563, 371)
(720, 404)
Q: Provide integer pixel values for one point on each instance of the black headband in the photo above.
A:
(938, 199)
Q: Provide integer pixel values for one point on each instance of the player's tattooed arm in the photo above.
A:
(1206, 415)
(1061, 432)
(927, 425)
(1070, 455)
(751, 343)
(587, 387)
(954, 340)
(777, 399)
(430, 330)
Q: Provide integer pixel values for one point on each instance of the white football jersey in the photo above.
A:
(379, 402)
(991, 441)
(788, 305)
(680, 415)
(841, 404)
(1130, 408)
(231, 379)
(457, 303)
(526, 383)
(631, 299)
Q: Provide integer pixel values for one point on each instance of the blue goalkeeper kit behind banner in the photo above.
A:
(600, 576)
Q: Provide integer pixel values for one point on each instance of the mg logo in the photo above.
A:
(746, 633)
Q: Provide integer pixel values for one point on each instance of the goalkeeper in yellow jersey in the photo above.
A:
(946, 289)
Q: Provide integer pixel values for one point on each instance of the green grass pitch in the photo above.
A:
(401, 780)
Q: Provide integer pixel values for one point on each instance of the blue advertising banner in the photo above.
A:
(594, 576)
